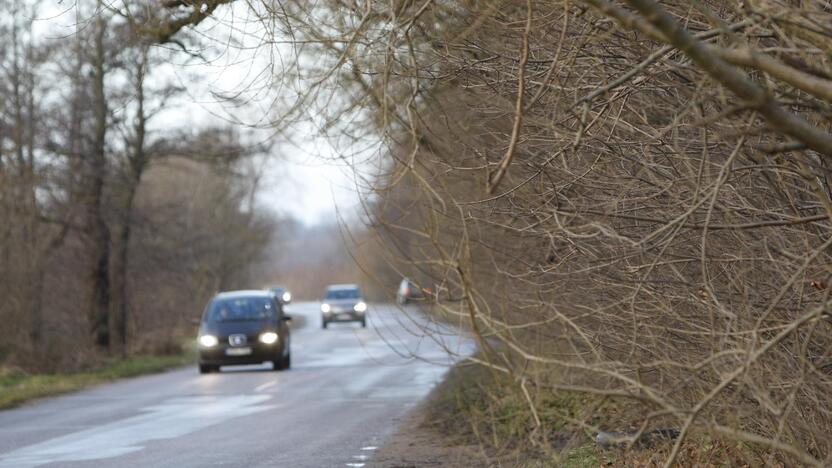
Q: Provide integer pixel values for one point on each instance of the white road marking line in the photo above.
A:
(356, 465)
(361, 457)
(368, 448)
(264, 386)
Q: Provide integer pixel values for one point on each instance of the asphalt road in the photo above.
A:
(345, 393)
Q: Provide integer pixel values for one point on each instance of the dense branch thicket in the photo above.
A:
(632, 196)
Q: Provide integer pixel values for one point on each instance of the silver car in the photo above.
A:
(408, 292)
(343, 303)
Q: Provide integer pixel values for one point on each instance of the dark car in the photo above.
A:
(343, 303)
(243, 327)
(282, 294)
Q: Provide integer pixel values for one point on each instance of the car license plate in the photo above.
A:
(238, 351)
(344, 316)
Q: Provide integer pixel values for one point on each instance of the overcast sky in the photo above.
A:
(302, 177)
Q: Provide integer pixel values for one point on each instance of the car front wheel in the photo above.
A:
(282, 363)
(207, 369)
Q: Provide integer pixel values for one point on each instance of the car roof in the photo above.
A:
(244, 293)
(333, 287)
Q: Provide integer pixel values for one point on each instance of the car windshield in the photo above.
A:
(240, 309)
(343, 294)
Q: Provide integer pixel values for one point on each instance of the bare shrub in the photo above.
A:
(635, 196)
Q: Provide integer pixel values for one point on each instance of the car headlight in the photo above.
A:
(287, 296)
(208, 341)
(325, 308)
(268, 337)
(360, 307)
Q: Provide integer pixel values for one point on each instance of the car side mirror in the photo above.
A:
(286, 318)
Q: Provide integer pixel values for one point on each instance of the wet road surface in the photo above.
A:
(346, 391)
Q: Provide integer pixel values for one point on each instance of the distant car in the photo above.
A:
(282, 294)
(244, 327)
(343, 303)
(408, 292)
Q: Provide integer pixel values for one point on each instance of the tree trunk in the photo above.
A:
(120, 302)
(99, 311)
(137, 161)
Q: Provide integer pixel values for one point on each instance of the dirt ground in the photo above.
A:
(416, 445)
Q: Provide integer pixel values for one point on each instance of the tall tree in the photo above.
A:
(96, 172)
(145, 102)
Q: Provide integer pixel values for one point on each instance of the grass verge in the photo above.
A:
(475, 406)
(17, 387)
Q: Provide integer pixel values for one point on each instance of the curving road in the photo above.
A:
(346, 390)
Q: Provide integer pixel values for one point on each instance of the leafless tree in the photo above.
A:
(631, 198)
(78, 229)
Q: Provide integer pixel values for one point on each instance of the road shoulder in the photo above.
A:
(418, 444)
